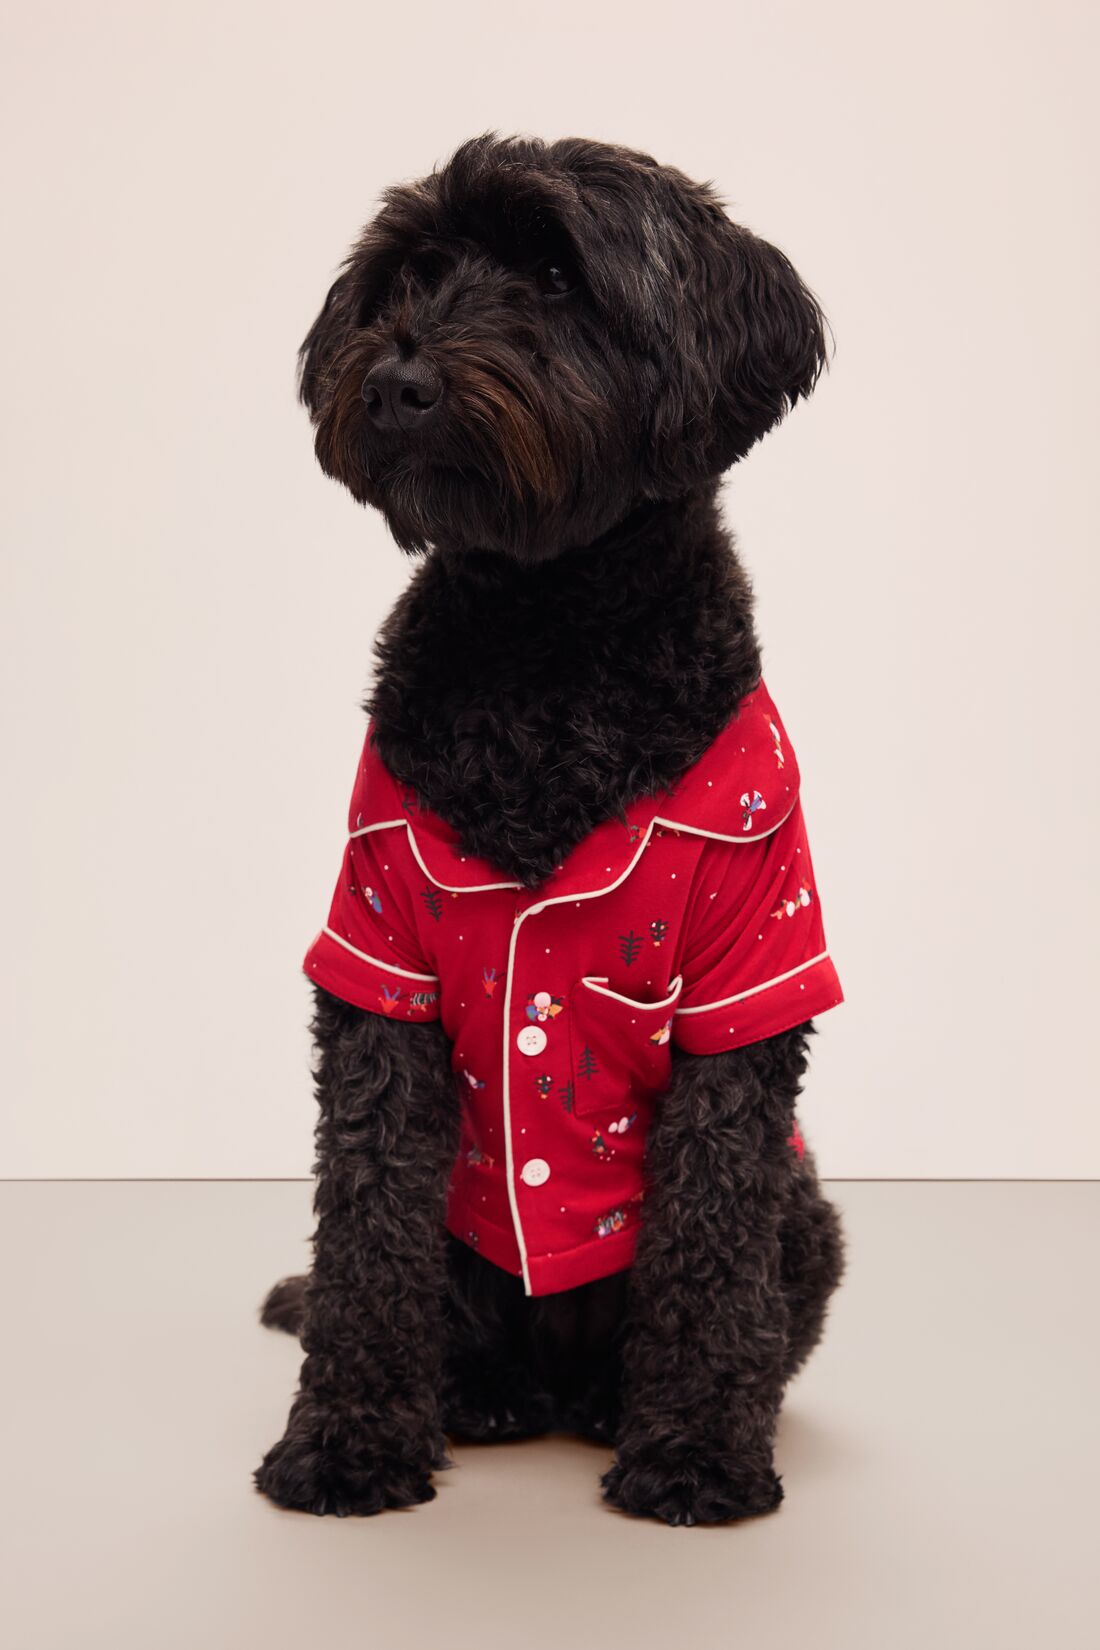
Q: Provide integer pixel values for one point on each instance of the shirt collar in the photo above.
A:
(742, 787)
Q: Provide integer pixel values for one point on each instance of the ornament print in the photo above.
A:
(751, 803)
(794, 903)
(541, 1006)
(615, 1219)
(371, 896)
(600, 1148)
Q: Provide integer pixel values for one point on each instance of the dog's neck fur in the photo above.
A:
(524, 705)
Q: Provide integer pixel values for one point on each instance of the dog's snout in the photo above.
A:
(401, 395)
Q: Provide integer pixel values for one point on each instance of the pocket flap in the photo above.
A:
(620, 1046)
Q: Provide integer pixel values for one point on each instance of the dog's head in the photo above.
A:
(536, 338)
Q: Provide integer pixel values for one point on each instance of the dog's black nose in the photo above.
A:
(401, 395)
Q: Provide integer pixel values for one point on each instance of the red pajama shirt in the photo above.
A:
(694, 921)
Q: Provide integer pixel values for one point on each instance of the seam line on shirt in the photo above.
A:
(725, 1002)
(377, 962)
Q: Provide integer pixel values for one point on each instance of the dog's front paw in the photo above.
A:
(690, 1489)
(301, 1473)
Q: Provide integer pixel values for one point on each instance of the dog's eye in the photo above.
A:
(555, 277)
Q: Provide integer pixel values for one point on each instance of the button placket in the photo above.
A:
(528, 1039)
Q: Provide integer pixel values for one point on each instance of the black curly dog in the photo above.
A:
(537, 362)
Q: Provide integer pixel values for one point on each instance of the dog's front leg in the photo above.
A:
(707, 1331)
(365, 1429)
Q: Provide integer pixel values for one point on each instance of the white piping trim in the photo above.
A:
(467, 888)
(725, 1002)
(380, 825)
(376, 961)
(720, 836)
(492, 887)
(506, 1104)
(598, 982)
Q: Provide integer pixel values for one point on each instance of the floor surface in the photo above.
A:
(939, 1454)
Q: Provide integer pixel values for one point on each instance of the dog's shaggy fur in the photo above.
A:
(584, 342)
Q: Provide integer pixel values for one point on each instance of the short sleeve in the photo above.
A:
(755, 960)
(369, 951)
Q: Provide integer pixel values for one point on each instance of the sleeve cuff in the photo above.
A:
(369, 983)
(761, 1011)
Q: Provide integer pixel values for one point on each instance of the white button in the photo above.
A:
(535, 1172)
(531, 1040)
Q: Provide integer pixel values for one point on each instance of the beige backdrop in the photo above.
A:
(188, 603)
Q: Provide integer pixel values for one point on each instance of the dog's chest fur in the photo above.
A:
(525, 705)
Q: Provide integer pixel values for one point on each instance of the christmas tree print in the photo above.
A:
(565, 1095)
(431, 899)
(658, 928)
(543, 1084)
(629, 946)
(586, 1064)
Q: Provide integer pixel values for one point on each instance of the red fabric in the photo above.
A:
(695, 922)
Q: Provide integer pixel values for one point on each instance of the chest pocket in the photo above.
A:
(620, 1047)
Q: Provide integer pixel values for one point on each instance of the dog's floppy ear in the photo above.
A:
(769, 336)
(325, 337)
(747, 340)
